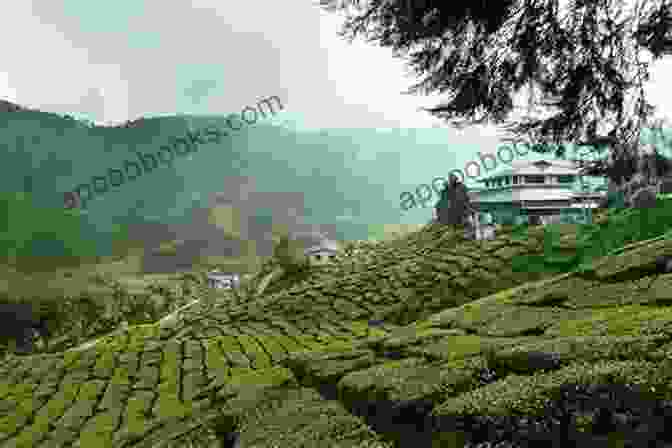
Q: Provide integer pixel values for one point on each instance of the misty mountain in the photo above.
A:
(265, 175)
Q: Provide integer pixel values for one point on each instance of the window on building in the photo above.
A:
(536, 179)
(566, 179)
(515, 180)
(507, 179)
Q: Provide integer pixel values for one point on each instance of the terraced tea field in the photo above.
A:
(427, 342)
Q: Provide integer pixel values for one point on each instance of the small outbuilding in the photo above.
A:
(322, 253)
(223, 280)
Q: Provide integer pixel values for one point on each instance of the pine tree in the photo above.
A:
(583, 65)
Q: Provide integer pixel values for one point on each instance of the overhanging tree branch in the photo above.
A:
(583, 63)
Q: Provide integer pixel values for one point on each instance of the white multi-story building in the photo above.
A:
(537, 192)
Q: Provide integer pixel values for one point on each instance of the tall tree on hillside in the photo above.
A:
(582, 65)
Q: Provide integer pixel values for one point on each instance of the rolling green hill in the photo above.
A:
(408, 341)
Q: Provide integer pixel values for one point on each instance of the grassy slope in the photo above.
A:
(449, 308)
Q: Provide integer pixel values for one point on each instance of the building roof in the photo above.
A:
(219, 274)
(544, 167)
(324, 246)
(320, 250)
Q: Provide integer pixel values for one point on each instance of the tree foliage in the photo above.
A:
(34, 238)
(583, 64)
(288, 253)
(454, 205)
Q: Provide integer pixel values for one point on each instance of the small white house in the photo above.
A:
(322, 253)
(223, 280)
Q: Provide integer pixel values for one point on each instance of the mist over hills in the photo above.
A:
(264, 175)
(345, 183)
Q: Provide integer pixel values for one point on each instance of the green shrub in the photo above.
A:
(622, 227)
(34, 238)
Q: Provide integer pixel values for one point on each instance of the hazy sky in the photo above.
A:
(118, 60)
(114, 61)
